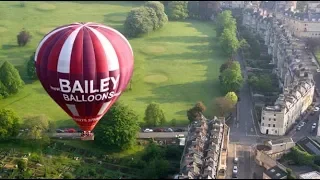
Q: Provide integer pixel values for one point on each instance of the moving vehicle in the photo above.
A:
(313, 127)
(235, 170)
(235, 160)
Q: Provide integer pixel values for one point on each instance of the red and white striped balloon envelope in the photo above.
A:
(84, 67)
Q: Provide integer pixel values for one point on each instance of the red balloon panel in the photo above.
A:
(84, 68)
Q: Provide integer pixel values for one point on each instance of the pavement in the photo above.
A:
(246, 161)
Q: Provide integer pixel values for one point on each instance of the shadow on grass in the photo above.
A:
(189, 92)
(179, 39)
(118, 17)
(8, 46)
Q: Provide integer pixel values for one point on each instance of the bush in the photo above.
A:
(177, 10)
(68, 175)
(139, 21)
(161, 18)
(31, 68)
(23, 37)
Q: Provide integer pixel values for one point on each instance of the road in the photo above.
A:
(246, 161)
(243, 128)
(140, 135)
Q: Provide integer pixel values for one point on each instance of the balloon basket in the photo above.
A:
(88, 138)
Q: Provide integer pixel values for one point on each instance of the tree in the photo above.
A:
(68, 175)
(301, 6)
(312, 43)
(157, 169)
(233, 97)
(37, 125)
(208, 8)
(231, 80)
(152, 151)
(225, 65)
(173, 122)
(193, 9)
(261, 83)
(9, 124)
(52, 126)
(195, 112)
(22, 164)
(177, 10)
(223, 105)
(139, 21)
(31, 68)
(229, 42)
(117, 128)
(224, 21)
(154, 116)
(158, 7)
(10, 78)
(23, 37)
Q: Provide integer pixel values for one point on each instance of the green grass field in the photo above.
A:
(175, 66)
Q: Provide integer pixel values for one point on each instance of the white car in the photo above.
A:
(148, 130)
(302, 124)
(316, 109)
(318, 70)
(235, 170)
(314, 125)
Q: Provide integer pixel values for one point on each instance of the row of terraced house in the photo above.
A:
(294, 67)
(205, 151)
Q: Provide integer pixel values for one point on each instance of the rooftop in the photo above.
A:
(276, 173)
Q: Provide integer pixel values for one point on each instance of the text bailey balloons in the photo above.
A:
(84, 67)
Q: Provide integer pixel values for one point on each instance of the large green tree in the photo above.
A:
(154, 115)
(162, 17)
(10, 79)
(231, 80)
(196, 111)
(139, 21)
(9, 124)
(229, 42)
(117, 128)
(31, 68)
(177, 10)
(193, 9)
(37, 125)
(224, 21)
(223, 105)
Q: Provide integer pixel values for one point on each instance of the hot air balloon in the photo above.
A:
(84, 67)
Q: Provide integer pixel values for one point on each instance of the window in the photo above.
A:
(276, 131)
(262, 124)
(305, 24)
(274, 125)
(263, 118)
(268, 125)
(269, 119)
(274, 115)
(274, 119)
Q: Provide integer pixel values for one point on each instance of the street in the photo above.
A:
(245, 162)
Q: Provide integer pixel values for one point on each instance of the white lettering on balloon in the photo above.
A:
(87, 93)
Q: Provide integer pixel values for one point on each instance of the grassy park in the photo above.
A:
(175, 66)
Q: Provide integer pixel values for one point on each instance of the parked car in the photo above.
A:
(168, 130)
(179, 130)
(147, 130)
(316, 109)
(302, 123)
(60, 131)
(70, 130)
(158, 130)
